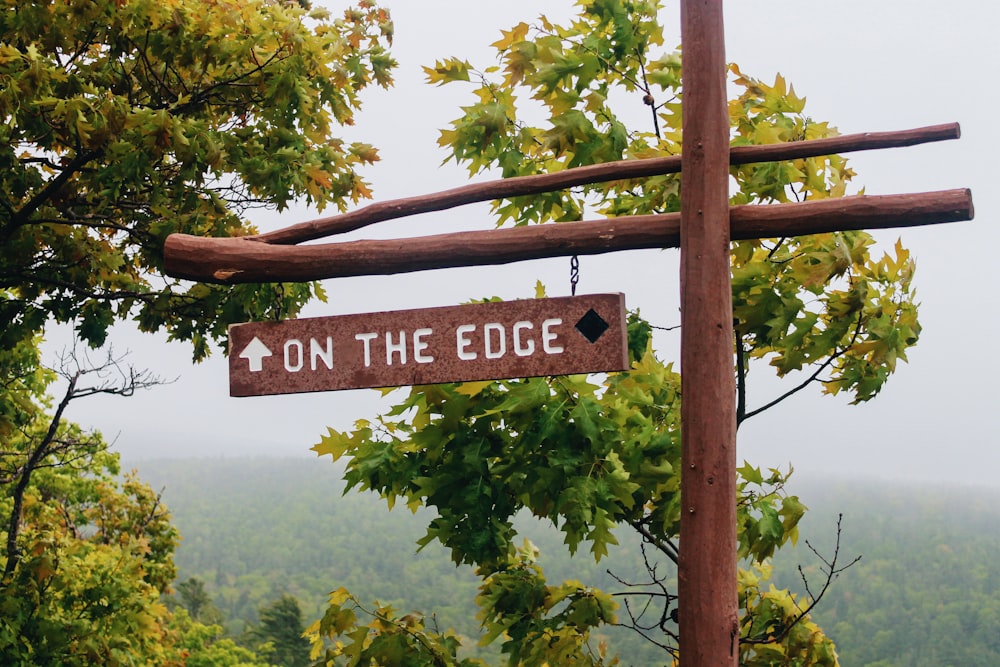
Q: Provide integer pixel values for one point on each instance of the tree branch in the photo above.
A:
(741, 380)
(21, 216)
(664, 545)
(128, 381)
(39, 452)
(812, 377)
(832, 572)
(665, 615)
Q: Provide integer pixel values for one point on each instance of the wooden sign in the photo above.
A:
(484, 341)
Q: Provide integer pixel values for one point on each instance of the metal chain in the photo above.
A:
(279, 299)
(574, 274)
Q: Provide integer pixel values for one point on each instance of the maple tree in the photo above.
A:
(86, 552)
(594, 457)
(124, 122)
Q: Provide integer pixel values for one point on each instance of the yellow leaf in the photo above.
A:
(515, 34)
(361, 189)
(765, 133)
(365, 152)
(451, 69)
(779, 85)
(864, 347)
(320, 177)
(795, 103)
(334, 444)
(340, 596)
(472, 388)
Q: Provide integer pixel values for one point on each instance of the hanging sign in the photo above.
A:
(483, 341)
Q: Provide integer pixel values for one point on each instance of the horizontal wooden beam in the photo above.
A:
(609, 171)
(248, 260)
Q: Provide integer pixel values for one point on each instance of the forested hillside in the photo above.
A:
(253, 529)
(925, 592)
(927, 589)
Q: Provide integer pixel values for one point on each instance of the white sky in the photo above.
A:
(863, 65)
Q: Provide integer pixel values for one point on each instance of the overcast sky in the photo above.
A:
(862, 65)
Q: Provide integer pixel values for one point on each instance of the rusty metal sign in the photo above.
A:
(484, 341)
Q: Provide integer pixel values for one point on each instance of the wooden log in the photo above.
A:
(708, 625)
(245, 260)
(598, 173)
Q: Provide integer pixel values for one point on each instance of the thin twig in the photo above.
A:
(812, 377)
(832, 572)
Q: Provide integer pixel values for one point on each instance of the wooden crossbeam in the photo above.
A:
(245, 260)
(597, 173)
(271, 257)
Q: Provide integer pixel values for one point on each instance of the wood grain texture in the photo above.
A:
(706, 565)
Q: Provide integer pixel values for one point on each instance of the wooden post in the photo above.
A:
(707, 600)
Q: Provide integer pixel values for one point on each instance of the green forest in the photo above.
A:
(926, 589)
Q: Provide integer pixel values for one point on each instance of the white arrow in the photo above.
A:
(254, 352)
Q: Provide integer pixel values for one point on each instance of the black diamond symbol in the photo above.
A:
(592, 326)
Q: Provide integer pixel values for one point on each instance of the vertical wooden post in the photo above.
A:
(707, 604)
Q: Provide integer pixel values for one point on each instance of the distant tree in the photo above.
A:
(198, 603)
(278, 636)
(37, 441)
(199, 645)
(596, 459)
(86, 554)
